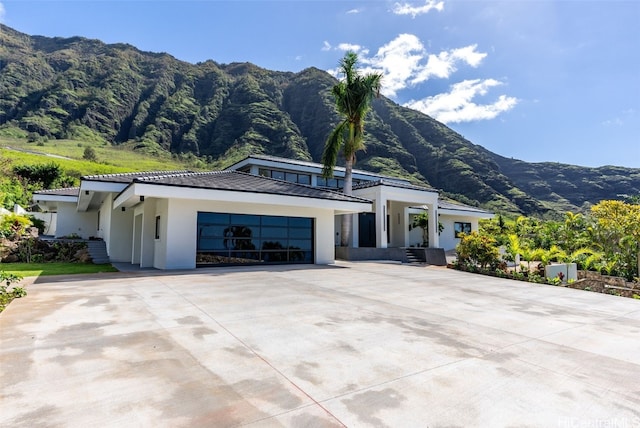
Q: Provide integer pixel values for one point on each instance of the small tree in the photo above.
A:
(90, 154)
(422, 221)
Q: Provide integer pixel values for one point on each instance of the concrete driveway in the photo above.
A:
(356, 344)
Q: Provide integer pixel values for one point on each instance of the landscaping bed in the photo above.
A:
(587, 280)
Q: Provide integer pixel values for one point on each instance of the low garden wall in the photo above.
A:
(594, 281)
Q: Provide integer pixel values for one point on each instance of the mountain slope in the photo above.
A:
(90, 91)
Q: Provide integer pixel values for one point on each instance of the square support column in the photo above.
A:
(434, 236)
(381, 222)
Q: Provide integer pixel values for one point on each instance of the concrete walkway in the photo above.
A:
(356, 344)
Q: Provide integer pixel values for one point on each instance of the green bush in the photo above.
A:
(478, 249)
(13, 224)
(8, 294)
(39, 223)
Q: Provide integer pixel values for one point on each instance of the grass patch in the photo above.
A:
(111, 159)
(43, 269)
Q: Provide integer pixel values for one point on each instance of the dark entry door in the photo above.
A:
(367, 230)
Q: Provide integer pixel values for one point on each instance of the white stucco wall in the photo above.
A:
(69, 221)
(448, 241)
(176, 248)
(50, 219)
(148, 211)
(105, 218)
(118, 240)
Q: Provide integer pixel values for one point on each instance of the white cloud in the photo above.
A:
(458, 106)
(404, 63)
(2, 12)
(398, 61)
(445, 63)
(353, 48)
(613, 122)
(408, 9)
(353, 11)
(326, 46)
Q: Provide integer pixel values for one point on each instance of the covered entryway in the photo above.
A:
(225, 238)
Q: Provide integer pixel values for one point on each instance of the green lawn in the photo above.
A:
(42, 269)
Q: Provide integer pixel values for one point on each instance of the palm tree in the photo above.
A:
(353, 97)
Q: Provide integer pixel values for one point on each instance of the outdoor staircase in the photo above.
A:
(98, 252)
(414, 255)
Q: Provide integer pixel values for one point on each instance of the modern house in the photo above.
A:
(262, 209)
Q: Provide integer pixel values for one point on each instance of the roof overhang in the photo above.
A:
(50, 202)
(135, 193)
(465, 213)
(398, 194)
(89, 189)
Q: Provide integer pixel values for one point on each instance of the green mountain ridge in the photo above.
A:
(86, 90)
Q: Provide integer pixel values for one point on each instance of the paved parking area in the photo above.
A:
(356, 344)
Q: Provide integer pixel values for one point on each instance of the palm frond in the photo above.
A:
(332, 147)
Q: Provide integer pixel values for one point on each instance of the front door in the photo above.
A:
(367, 230)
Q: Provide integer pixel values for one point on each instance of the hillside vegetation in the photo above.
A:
(116, 96)
(61, 163)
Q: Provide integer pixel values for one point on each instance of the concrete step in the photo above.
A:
(98, 252)
(412, 257)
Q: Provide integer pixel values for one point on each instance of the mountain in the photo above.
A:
(83, 89)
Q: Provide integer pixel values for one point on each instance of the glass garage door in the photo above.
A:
(225, 238)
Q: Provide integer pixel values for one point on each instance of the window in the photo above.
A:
(291, 177)
(157, 227)
(459, 228)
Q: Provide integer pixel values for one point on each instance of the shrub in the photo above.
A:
(34, 250)
(13, 224)
(39, 223)
(478, 249)
(90, 154)
(6, 294)
(46, 174)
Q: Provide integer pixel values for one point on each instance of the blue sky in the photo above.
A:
(534, 80)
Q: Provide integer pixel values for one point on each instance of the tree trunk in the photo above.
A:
(345, 238)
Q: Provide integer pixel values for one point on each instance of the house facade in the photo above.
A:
(260, 210)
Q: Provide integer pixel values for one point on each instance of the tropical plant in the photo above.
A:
(513, 249)
(13, 224)
(6, 294)
(553, 254)
(616, 232)
(477, 249)
(353, 97)
(422, 221)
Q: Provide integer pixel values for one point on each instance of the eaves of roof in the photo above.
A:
(393, 183)
(315, 165)
(129, 177)
(67, 191)
(236, 181)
